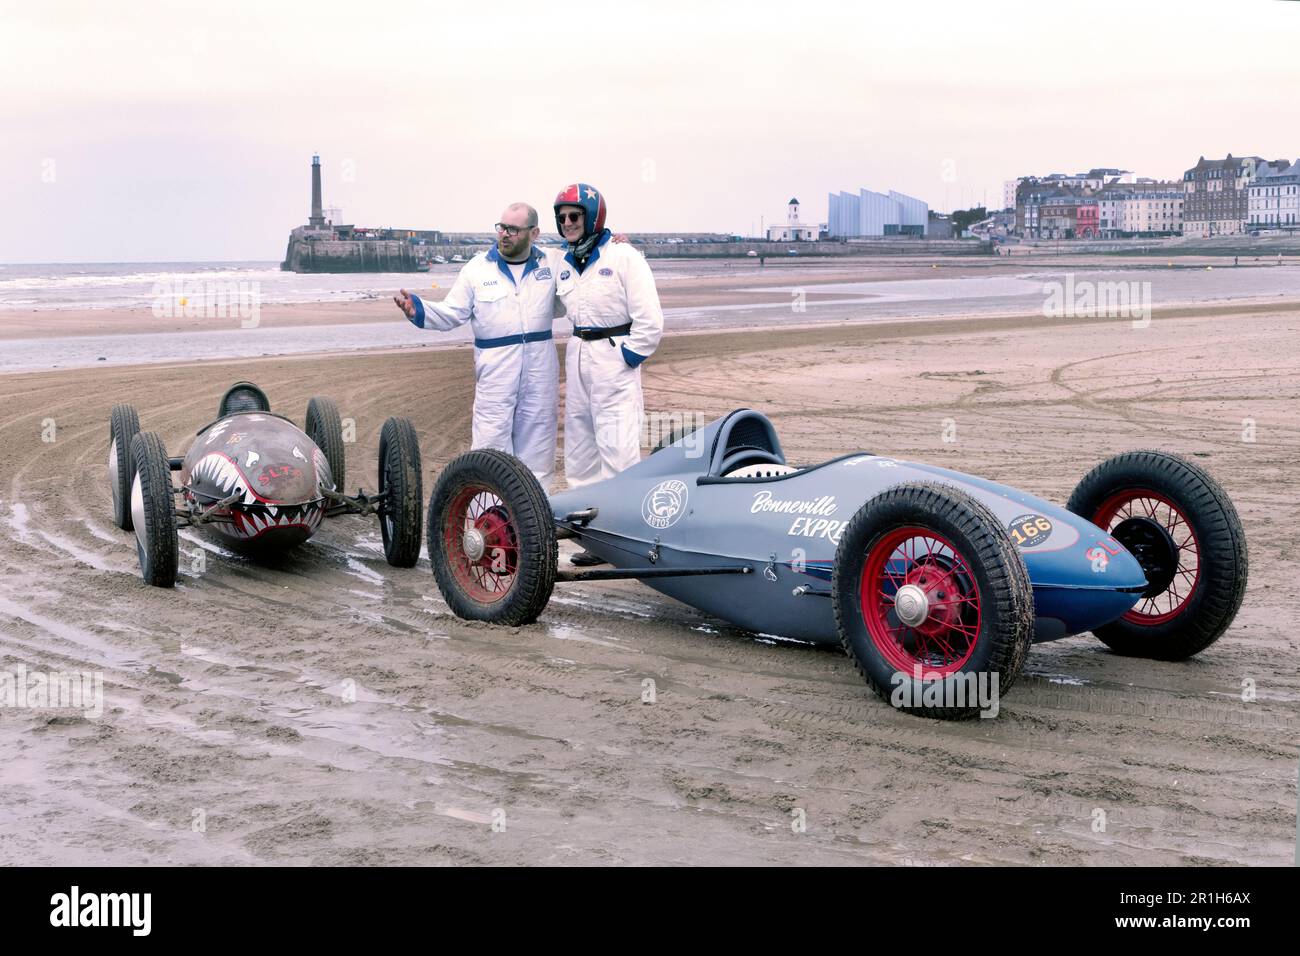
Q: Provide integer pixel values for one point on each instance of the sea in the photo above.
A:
(112, 285)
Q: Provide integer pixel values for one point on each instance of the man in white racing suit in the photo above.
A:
(608, 292)
(508, 296)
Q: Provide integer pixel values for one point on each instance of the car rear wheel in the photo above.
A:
(932, 601)
(123, 426)
(325, 428)
(1184, 531)
(153, 511)
(401, 517)
(491, 539)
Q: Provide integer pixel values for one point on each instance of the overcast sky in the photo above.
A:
(146, 131)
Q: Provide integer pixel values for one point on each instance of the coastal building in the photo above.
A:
(1093, 179)
(792, 230)
(1029, 200)
(1027, 194)
(1145, 208)
(1009, 192)
(1153, 209)
(1273, 200)
(1216, 198)
(325, 245)
(1069, 217)
(1111, 203)
(938, 226)
(868, 214)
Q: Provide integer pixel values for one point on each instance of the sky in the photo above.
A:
(184, 131)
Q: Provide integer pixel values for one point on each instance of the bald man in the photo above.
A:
(508, 295)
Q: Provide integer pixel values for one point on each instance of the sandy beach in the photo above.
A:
(683, 284)
(228, 700)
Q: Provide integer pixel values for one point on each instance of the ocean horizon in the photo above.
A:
(131, 285)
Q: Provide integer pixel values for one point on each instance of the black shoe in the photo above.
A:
(585, 559)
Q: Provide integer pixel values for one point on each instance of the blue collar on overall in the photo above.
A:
(532, 262)
(595, 253)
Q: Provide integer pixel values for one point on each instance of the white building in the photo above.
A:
(1009, 192)
(1274, 198)
(1148, 208)
(792, 230)
(876, 214)
(1110, 212)
(1151, 211)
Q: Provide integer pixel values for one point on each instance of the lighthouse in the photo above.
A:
(317, 219)
(792, 230)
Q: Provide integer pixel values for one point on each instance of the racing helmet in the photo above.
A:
(591, 201)
(243, 397)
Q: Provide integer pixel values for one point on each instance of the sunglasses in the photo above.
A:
(569, 216)
(510, 231)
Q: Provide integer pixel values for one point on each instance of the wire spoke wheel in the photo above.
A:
(931, 594)
(1185, 533)
(1132, 510)
(920, 601)
(482, 543)
(491, 539)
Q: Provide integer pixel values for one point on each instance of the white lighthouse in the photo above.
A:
(792, 230)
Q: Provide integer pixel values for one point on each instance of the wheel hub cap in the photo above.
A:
(474, 544)
(912, 605)
(1154, 547)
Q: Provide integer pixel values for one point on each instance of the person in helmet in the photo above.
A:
(508, 295)
(608, 292)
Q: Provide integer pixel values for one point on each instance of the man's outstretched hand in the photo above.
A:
(403, 300)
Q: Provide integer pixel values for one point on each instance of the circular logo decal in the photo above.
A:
(664, 503)
(1030, 530)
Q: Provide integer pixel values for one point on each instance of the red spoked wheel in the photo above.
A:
(491, 539)
(1161, 537)
(1184, 531)
(932, 600)
(482, 543)
(920, 602)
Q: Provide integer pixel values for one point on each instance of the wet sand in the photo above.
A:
(230, 700)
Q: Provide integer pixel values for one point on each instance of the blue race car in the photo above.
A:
(924, 575)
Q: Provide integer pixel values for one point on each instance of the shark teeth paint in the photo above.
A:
(225, 475)
(250, 523)
(325, 478)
